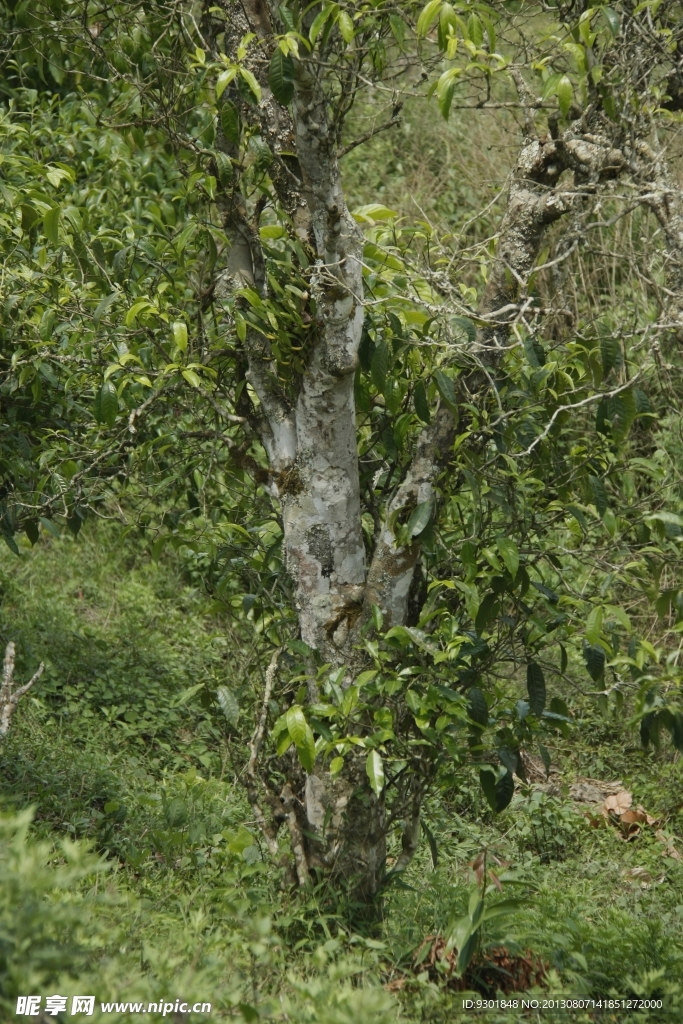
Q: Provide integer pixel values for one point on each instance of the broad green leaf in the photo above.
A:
(306, 749)
(503, 908)
(445, 387)
(51, 225)
(336, 765)
(135, 310)
(281, 76)
(474, 30)
(176, 813)
(230, 122)
(535, 684)
(609, 354)
(599, 494)
(465, 324)
(107, 404)
(380, 366)
(626, 412)
(427, 17)
(374, 768)
(320, 20)
(224, 80)
(594, 625)
(372, 212)
(180, 334)
(594, 656)
(419, 518)
(509, 553)
(505, 790)
(296, 724)
(498, 792)
(477, 709)
(612, 19)
(420, 402)
(103, 305)
(192, 378)
(188, 694)
(248, 77)
(345, 27)
(565, 94)
(228, 705)
(398, 28)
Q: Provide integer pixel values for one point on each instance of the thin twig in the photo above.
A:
(396, 119)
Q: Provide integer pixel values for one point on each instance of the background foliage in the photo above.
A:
(551, 601)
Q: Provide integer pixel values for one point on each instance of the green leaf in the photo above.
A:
(477, 709)
(535, 684)
(102, 307)
(594, 625)
(565, 93)
(505, 790)
(228, 705)
(380, 366)
(427, 17)
(488, 610)
(10, 542)
(320, 20)
(599, 494)
(419, 518)
(32, 531)
(374, 768)
(626, 412)
(398, 28)
(281, 76)
(51, 225)
(345, 27)
(420, 402)
(445, 387)
(504, 908)
(466, 325)
(509, 553)
(612, 19)
(180, 334)
(230, 122)
(224, 168)
(306, 750)
(433, 849)
(192, 378)
(50, 527)
(563, 659)
(248, 77)
(106, 404)
(176, 813)
(474, 30)
(595, 661)
(609, 354)
(224, 80)
(545, 757)
(296, 724)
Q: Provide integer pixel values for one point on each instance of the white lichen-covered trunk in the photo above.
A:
(338, 826)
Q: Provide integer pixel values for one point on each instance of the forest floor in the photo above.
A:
(119, 748)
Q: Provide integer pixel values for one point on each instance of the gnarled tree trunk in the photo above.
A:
(338, 826)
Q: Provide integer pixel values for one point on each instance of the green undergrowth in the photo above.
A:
(130, 866)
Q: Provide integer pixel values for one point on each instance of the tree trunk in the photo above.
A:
(338, 826)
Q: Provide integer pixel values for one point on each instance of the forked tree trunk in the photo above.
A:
(338, 826)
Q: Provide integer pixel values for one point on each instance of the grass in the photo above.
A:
(177, 896)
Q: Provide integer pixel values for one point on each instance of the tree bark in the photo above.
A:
(338, 825)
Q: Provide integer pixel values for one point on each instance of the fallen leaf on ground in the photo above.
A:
(618, 803)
